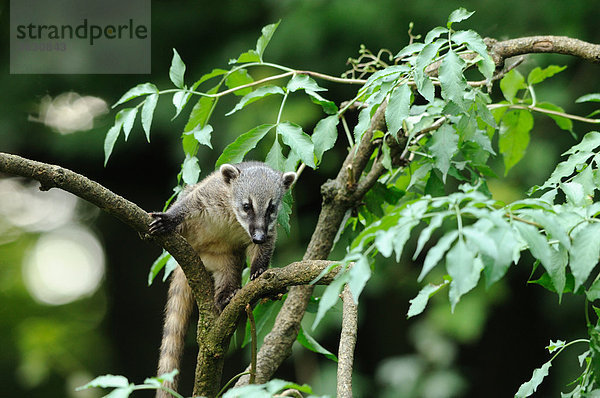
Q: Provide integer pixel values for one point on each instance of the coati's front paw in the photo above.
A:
(257, 272)
(224, 298)
(162, 223)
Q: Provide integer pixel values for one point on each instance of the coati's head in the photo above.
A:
(256, 192)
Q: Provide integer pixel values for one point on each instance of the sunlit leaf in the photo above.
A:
(529, 387)
(538, 75)
(239, 78)
(255, 95)
(398, 108)
(458, 15)
(418, 304)
(585, 252)
(148, 113)
(511, 83)
(303, 82)
(177, 70)
(325, 135)
(444, 144)
(235, 152)
(266, 36)
(137, 91)
(464, 269)
(300, 142)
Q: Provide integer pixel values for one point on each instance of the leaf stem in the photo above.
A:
(546, 111)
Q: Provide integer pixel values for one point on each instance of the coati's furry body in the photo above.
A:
(229, 215)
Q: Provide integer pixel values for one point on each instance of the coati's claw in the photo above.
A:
(161, 223)
(257, 273)
(222, 300)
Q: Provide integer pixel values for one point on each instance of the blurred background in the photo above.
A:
(73, 281)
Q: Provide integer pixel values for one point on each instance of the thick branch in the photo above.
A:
(347, 344)
(500, 50)
(52, 176)
(272, 281)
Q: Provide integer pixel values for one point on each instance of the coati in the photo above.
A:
(227, 216)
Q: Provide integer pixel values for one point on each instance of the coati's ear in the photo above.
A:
(288, 179)
(229, 172)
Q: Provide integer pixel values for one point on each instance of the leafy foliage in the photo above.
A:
(441, 132)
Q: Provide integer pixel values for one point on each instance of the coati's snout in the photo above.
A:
(259, 237)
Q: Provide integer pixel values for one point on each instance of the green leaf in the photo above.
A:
(434, 34)
(593, 293)
(464, 268)
(435, 223)
(562, 122)
(508, 251)
(329, 107)
(275, 157)
(554, 261)
(528, 388)
(303, 82)
(398, 108)
(177, 70)
(454, 85)
(128, 117)
(435, 254)
(235, 152)
(511, 83)
(514, 136)
(266, 36)
(190, 170)
(360, 274)
(158, 265)
(458, 15)
(411, 49)
(283, 218)
(308, 342)
(444, 144)
(330, 297)
(585, 252)
(201, 111)
(106, 381)
(202, 135)
(418, 304)
(248, 56)
(538, 75)
(239, 78)
(364, 120)
(474, 42)
(426, 57)
(325, 135)
(255, 95)
(148, 113)
(300, 142)
(180, 99)
(555, 345)
(111, 138)
(137, 91)
(214, 73)
(589, 98)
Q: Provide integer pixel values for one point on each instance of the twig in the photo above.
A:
(347, 344)
(253, 343)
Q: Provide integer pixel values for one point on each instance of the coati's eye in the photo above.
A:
(246, 207)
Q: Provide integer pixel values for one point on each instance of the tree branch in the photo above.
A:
(52, 176)
(501, 50)
(347, 344)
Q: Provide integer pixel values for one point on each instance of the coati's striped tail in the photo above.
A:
(177, 314)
